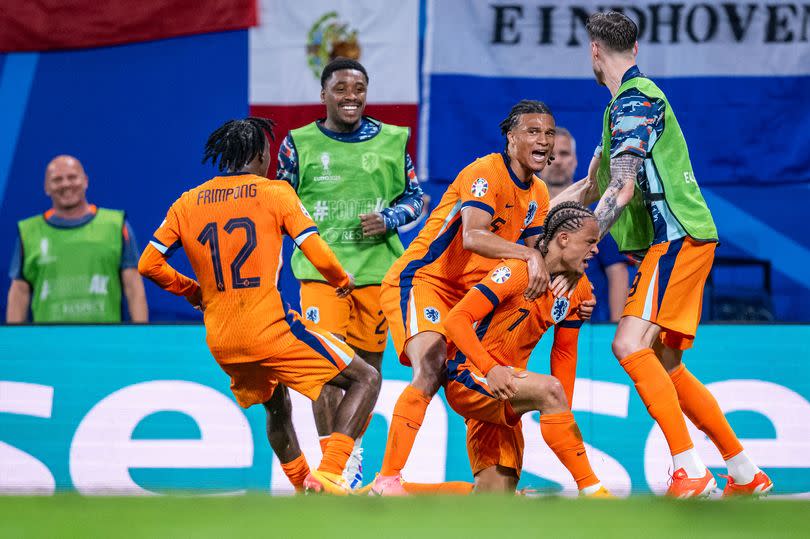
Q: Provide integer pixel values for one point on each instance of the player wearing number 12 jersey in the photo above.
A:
(231, 228)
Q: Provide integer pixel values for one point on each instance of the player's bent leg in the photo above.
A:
(635, 338)
(557, 426)
(353, 473)
(702, 409)
(282, 437)
(427, 352)
(496, 479)
(361, 385)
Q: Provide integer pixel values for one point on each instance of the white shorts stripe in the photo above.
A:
(648, 301)
(413, 325)
(327, 340)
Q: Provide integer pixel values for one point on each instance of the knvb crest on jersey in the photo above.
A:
(313, 314)
(501, 275)
(479, 187)
(530, 213)
(560, 309)
(432, 314)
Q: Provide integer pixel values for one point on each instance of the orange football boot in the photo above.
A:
(683, 486)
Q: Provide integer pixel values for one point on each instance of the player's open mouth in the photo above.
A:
(350, 108)
(539, 155)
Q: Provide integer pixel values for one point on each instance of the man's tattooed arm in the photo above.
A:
(619, 192)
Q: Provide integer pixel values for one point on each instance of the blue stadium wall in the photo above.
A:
(137, 116)
(133, 409)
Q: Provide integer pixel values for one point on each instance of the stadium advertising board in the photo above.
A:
(144, 410)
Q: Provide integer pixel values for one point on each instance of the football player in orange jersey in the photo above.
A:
(493, 331)
(494, 202)
(231, 228)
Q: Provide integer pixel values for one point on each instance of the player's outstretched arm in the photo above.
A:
(478, 238)
(323, 258)
(623, 171)
(154, 266)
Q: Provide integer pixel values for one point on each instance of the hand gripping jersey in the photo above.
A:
(438, 255)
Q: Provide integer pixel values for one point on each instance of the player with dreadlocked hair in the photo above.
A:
(493, 331)
(231, 228)
(237, 142)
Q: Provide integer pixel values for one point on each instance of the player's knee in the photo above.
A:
(369, 377)
(623, 346)
(555, 399)
(428, 381)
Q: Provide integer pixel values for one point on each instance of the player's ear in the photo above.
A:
(323, 96)
(562, 239)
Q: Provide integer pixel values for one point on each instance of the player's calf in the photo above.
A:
(496, 479)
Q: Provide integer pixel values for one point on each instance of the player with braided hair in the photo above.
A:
(493, 202)
(493, 331)
(231, 229)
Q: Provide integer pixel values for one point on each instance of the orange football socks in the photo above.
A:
(337, 453)
(562, 435)
(409, 413)
(702, 409)
(658, 393)
(296, 471)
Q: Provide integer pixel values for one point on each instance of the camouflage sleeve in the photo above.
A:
(408, 206)
(635, 123)
(287, 169)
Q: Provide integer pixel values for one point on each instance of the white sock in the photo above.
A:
(690, 462)
(587, 491)
(741, 469)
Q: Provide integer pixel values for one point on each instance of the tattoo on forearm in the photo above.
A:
(623, 170)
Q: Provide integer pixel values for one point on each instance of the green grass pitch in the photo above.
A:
(497, 517)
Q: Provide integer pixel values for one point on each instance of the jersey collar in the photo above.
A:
(515, 179)
(631, 73)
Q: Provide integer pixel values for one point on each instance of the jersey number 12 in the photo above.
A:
(210, 235)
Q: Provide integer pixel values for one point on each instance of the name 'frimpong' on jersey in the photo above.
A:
(231, 230)
(438, 255)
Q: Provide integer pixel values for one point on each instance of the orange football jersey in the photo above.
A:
(231, 228)
(509, 326)
(438, 256)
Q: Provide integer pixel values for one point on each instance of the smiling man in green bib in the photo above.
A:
(356, 179)
(73, 262)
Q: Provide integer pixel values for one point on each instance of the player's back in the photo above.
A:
(437, 255)
(231, 229)
(514, 327)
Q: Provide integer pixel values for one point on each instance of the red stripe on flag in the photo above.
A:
(289, 117)
(66, 24)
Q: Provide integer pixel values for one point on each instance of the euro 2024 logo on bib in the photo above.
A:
(479, 188)
(530, 213)
(560, 309)
(501, 275)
